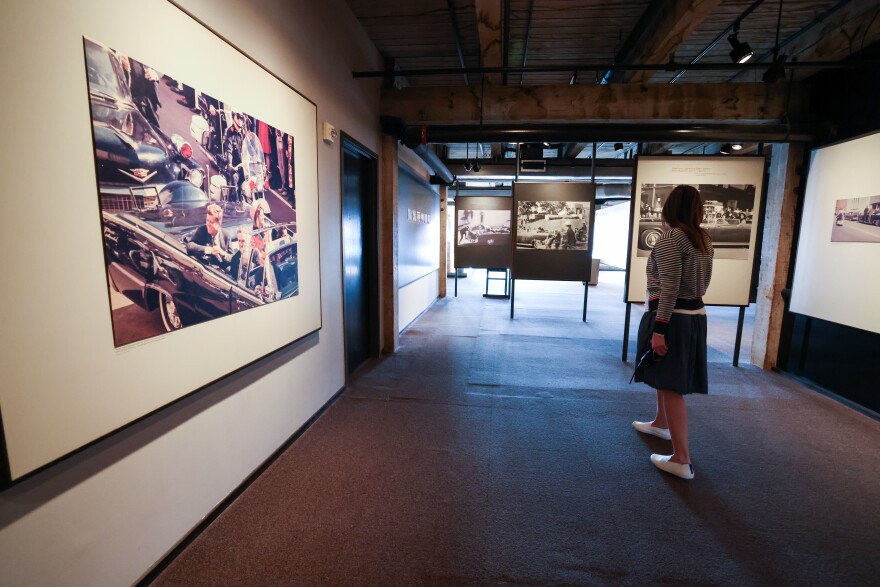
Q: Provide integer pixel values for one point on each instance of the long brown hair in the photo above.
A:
(684, 209)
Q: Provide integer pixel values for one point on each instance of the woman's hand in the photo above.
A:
(658, 343)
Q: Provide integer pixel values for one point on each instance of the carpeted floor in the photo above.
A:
(491, 451)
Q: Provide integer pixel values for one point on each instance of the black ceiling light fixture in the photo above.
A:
(726, 149)
(740, 51)
(618, 146)
(468, 166)
(777, 68)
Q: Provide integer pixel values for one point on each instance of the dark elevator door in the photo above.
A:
(359, 255)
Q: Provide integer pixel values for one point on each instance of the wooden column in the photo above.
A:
(388, 251)
(442, 273)
(779, 224)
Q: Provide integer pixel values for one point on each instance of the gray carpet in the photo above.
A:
(497, 452)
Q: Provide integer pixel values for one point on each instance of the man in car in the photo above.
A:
(209, 244)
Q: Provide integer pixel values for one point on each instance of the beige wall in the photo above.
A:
(107, 514)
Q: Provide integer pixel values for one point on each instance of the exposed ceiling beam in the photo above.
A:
(489, 29)
(847, 31)
(457, 32)
(626, 102)
(663, 26)
(528, 34)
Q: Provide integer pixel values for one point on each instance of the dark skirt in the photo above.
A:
(683, 369)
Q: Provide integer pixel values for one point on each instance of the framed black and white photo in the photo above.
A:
(483, 234)
(553, 230)
(132, 175)
(731, 189)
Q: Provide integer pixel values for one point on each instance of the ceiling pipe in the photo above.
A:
(623, 132)
(397, 128)
(670, 66)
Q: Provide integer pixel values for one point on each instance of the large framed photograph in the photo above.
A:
(178, 221)
(196, 197)
(731, 188)
(836, 276)
(553, 230)
(483, 232)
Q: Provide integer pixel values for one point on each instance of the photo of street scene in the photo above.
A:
(553, 225)
(198, 200)
(729, 217)
(483, 227)
(856, 220)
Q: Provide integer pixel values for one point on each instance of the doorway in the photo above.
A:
(360, 254)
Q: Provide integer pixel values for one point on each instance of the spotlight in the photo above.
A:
(476, 166)
(726, 148)
(736, 147)
(468, 166)
(618, 146)
(776, 71)
(741, 51)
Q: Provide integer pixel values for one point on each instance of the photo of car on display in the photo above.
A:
(728, 217)
(192, 231)
(483, 227)
(857, 220)
(553, 225)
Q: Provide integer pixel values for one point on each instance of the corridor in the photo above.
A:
(491, 451)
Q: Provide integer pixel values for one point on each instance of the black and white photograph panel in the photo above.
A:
(197, 200)
(856, 220)
(483, 227)
(729, 217)
(553, 225)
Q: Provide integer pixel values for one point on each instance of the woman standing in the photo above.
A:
(679, 270)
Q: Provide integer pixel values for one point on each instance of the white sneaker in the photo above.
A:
(646, 428)
(663, 463)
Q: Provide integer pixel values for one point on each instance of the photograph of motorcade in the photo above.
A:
(553, 225)
(197, 200)
(728, 217)
(856, 220)
(483, 227)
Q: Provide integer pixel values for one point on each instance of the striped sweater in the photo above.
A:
(678, 276)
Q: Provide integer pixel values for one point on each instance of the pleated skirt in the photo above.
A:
(683, 369)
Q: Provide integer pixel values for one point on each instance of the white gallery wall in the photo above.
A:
(107, 514)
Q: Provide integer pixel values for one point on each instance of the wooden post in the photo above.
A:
(388, 253)
(441, 290)
(779, 221)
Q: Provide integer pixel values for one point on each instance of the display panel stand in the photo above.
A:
(505, 278)
(512, 285)
(586, 294)
(739, 335)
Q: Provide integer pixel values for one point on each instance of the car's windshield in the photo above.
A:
(104, 72)
(283, 262)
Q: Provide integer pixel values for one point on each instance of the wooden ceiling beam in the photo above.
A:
(489, 29)
(621, 102)
(663, 26)
(855, 26)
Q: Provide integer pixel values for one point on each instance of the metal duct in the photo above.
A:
(626, 132)
(398, 129)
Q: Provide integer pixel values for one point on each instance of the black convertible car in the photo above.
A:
(147, 261)
(725, 234)
(131, 155)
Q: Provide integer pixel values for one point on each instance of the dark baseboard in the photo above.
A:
(830, 394)
(163, 564)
